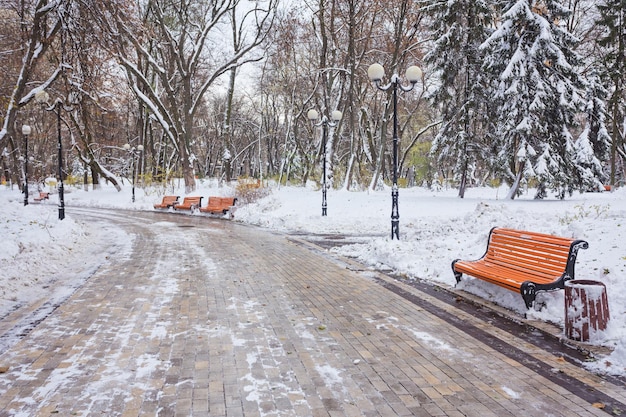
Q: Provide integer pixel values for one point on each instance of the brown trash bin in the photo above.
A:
(586, 309)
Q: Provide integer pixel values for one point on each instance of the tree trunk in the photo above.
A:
(228, 128)
(380, 158)
(614, 140)
(379, 164)
(463, 183)
(95, 176)
(85, 177)
(188, 175)
(349, 171)
(351, 52)
(515, 186)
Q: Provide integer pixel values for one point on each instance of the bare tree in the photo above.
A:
(186, 58)
(321, 51)
(39, 24)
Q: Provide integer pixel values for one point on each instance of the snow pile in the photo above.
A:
(43, 259)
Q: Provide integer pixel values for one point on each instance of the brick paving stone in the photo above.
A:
(219, 319)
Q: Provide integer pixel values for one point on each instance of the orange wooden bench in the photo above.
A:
(189, 203)
(220, 205)
(42, 196)
(524, 262)
(168, 201)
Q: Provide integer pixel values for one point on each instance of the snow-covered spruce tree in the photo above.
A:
(592, 145)
(532, 62)
(459, 27)
(613, 47)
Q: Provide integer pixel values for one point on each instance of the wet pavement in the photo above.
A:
(207, 317)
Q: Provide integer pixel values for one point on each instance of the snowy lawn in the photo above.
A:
(436, 227)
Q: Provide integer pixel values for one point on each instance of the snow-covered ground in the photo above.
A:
(436, 227)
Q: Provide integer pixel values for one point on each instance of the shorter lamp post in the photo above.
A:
(135, 153)
(376, 72)
(26, 131)
(325, 122)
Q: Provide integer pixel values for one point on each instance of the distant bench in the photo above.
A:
(189, 203)
(42, 196)
(524, 262)
(220, 205)
(168, 201)
(224, 206)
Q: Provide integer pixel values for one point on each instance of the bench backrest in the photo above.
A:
(169, 199)
(529, 251)
(190, 201)
(221, 202)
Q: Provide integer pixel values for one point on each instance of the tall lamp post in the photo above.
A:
(135, 153)
(43, 97)
(25, 132)
(57, 107)
(325, 122)
(376, 72)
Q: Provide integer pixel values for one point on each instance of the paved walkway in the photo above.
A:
(211, 318)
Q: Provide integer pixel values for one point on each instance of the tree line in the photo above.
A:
(525, 92)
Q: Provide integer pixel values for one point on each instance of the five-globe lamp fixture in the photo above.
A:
(413, 74)
(335, 116)
(135, 154)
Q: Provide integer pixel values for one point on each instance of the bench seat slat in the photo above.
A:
(495, 270)
(523, 261)
(502, 282)
(502, 268)
(529, 263)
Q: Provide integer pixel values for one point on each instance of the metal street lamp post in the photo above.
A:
(376, 72)
(57, 107)
(135, 153)
(335, 116)
(25, 132)
(43, 97)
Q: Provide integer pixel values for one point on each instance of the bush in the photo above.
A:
(249, 190)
